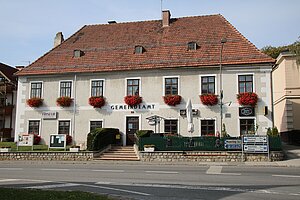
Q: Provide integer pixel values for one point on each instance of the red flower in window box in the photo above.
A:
(209, 99)
(247, 99)
(34, 102)
(97, 102)
(133, 100)
(64, 101)
(172, 100)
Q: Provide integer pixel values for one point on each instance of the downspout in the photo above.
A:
(74, 108)
(272, 98)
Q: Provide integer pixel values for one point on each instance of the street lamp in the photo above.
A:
(223, 41)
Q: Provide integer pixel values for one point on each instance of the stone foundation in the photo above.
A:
(207, 156)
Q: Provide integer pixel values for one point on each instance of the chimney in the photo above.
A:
(59, 38)
(20, 67)
(166, 15)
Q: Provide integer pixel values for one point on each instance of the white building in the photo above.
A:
(152, 59)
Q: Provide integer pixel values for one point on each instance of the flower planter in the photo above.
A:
(34, 102)
(133, 100)
(97, 102)
(172, 100)
(209, 99)
(74, 149)
(149, 149)
(64, 101)
(247, 99)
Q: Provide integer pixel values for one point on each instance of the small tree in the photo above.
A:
(224, 132)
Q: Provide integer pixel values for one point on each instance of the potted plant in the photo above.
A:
(133, 100)
(97, 102)
(74, 148)
(247, 98)
(209, 99)
(149, 147)
(35, 102)
(64, 101)
(172, 100)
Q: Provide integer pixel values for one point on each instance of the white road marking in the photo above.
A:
(53, 186)
(217, 170)
(11, 168)
(161, 172)
(9, 180)
(287, 176)
(115, 189)
(108, 170)
(55, 169)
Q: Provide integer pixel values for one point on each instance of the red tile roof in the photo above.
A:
(110, 47)
(8, 72)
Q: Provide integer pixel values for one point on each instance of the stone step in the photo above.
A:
(119, 153)
(119, 158)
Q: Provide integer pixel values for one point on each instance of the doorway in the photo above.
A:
(132, 125)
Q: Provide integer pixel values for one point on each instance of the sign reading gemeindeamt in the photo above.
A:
(140, 107)
(25, 140)
(255, 144)
(49, 115)
(58, 141)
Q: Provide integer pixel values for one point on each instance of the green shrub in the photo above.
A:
(143, 133)
(101, 137)
(273, 132)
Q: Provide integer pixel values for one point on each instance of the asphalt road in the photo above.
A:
(136, 180)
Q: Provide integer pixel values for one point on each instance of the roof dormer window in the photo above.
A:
(139, 49)
(78, 53)
(192, 46)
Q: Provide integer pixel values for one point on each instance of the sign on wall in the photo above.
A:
(25, 140)
(246, 112)
(49, 115)
(58, 141)
(140, 107)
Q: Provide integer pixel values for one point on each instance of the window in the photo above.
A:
(247, 126)
(208, 127)
(78, 53)
(64, 127)
(192, 46)
(65, 88)
(34, 127)
(138, 49)
(36, 90)
(95, 124)
(171, 86)
(245, 83)
(133, 87)
(171, 126)
(97, 88)
(208, 85)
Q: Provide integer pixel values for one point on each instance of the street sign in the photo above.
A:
(255, 144)
(256, 148)
(58, 141)
(233, 144)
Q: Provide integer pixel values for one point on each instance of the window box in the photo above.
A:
(247, 98)
(74, 149)
(172, 100)
(34, 102)
(97, 102)
(64, 101)
(5, 149)
(209, 99)
(133, 100)
(149, 148)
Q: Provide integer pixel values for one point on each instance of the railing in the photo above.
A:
(171, 143)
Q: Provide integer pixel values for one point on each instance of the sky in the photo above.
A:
(28, 27)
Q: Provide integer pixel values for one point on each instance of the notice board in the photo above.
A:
(58, 141)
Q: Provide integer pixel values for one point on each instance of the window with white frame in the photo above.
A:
(247, 126)
(97, 88)
(171, 86)
(65, 88)
(36, 90)
(208, 85)
(245, 83)
(34, 127)
(95, 124)
(133, 87)
(64, 127)
(208, 127)
(171, 125)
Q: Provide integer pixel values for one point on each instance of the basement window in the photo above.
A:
(139, 49)
(192, 46)
(78, 53)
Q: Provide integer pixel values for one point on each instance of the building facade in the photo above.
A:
(286, 84)
(163, 62)
(8, 86)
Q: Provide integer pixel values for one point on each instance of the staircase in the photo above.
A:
(125, 153)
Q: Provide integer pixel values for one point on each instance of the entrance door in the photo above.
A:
(132, 125)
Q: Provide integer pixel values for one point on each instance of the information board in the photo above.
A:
(233, 144)
(58, 141)
(25, 140)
